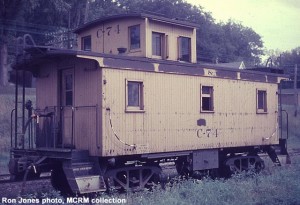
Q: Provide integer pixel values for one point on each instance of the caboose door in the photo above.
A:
(66, 108)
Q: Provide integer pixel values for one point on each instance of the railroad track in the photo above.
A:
(6, 178)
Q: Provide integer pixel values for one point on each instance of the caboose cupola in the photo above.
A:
(142, 35)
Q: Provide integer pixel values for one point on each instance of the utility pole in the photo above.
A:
(295, 89)
(69, 29)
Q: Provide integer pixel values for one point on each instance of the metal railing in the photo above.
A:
(50, 135)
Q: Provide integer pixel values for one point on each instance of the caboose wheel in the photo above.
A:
(237, 164)
(132, 177)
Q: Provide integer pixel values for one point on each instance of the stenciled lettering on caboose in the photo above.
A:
(107, 31)
(206, 132)
(210, 72)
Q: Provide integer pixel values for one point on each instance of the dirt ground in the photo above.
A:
(13, 190)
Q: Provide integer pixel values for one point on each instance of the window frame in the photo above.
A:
(140, 107)
(83, 39)
(162, 39)
(210, 95)
(65, 90)
(180, 48)
(263, 110)
(131, 48)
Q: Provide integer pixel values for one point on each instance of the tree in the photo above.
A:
(31, 16)
(226, 42)
(273, 58)
(179, 9)
(278, 58)
(100, 8)
(241, 43)
(291, 57)
(9, 10)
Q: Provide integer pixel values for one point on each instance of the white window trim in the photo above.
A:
(83, 40)
(141, 107)
(207, 95)
(162, 45)
(133, 50)
(265, 110)
(179, 48)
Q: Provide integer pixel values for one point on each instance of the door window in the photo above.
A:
(67, 95)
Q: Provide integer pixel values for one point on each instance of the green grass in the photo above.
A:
(281, 185)
(275, 186)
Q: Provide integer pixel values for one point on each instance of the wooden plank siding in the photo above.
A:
(47, 95)
(87, 98)
(86, 104)
(172, 108)
(173, 32)
(108, 36)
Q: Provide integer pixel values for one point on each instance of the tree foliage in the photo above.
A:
(7, 13)
(225, 42)
(277, 58)
(291, 57)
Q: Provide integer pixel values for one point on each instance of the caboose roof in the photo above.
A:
(135, 15)
(42, 55)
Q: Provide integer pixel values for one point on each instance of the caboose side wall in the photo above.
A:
(86, 110)
(171, 32)
(46, 95)
(109, 36)
(172, 110)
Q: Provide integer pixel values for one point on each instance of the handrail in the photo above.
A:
(47, 112)
(287, 123)
(72, 131)
(11, 126)
(281, 110)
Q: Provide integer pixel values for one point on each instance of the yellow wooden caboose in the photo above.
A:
(135, 92)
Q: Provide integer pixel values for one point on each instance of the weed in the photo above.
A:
(281, 186)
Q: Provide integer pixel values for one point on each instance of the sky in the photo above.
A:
(276, 21)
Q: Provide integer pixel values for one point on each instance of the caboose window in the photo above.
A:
(68, 89)
(261, 101)
(86, 43)
(134, 37)
(157, 44)
(207, 103)
(184, 49)
(134, 98)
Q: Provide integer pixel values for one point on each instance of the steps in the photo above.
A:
(82, 174)
(273, 156)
